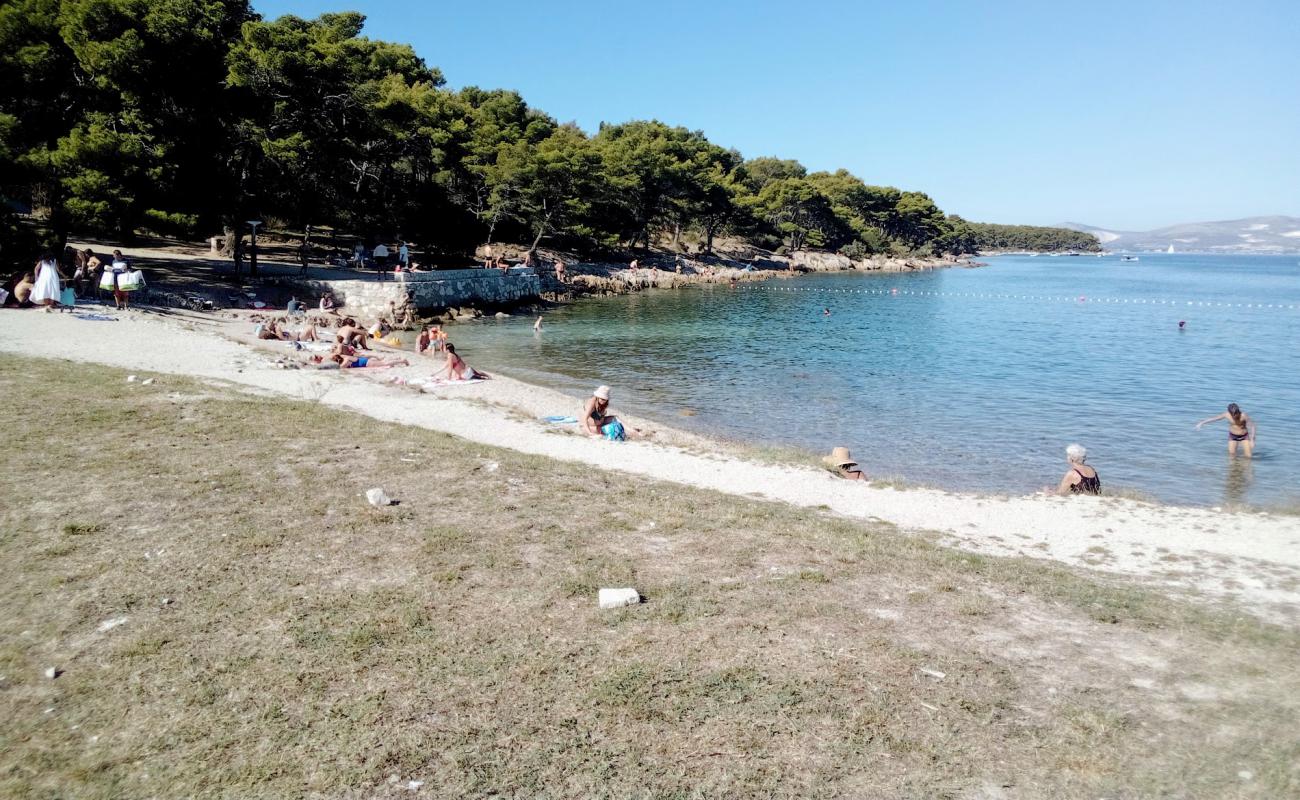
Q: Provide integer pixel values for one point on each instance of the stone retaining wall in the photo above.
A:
(425, 291)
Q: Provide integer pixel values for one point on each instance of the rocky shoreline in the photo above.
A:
(663, 272)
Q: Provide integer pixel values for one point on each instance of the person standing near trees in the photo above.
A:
(381, 259)
(304, 251)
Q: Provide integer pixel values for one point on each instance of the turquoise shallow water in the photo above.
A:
(962, 378)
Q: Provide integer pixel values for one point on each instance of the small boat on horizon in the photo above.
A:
(1129, 258)
(1171, 248)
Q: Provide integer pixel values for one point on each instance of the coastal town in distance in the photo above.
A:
(679, 401)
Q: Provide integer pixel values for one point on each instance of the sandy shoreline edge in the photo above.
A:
(1252, 559)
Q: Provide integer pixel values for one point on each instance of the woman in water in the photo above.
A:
(1241, 428)
(1081, 479)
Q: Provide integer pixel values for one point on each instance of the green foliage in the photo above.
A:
(988, 236)
(184, 115)
(172, 223)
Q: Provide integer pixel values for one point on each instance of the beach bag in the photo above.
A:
(106, 282)
(614, 432)
(130, 281)
(68, 298)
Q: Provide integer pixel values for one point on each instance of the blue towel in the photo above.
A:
(98, 317)
(560, 419)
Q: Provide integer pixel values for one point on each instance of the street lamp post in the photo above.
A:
(252, 248)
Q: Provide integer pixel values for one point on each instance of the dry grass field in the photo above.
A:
(230, 618)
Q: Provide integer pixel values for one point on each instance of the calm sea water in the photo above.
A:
(962, 378)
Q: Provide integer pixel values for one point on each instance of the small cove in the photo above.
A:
(966, 379)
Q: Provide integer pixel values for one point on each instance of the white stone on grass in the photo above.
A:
(377, 498)
(109, 624)
(618, 598)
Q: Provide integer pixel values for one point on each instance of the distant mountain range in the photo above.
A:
(1250, 235)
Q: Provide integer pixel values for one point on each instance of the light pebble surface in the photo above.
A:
(1252, 558)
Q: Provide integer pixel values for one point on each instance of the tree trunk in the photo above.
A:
(541, 231)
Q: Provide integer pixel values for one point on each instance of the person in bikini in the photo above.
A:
(1081, 478)
(457, 369)
(1241, 430)
(271, 330)
(595, 413)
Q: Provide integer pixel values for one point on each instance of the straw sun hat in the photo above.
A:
(840, 457)
(601, 393)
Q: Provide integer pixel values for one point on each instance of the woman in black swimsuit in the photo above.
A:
(595, 414)
(1241, 428)
(1081, 479)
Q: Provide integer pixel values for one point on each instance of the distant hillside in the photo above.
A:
(1251, 235)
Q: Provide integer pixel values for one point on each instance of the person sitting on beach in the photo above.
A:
(559, 271)
(271, 330)
(457, 369)
(845, 467)
(349, 333)
(1081, 478)
(595, 414)
(327, 303)
(296, 306)
(23, 291)
(1241, 429)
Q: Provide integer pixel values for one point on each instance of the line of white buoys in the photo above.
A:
(1042, 298)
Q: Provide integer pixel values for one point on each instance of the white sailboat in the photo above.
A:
(1171, 248)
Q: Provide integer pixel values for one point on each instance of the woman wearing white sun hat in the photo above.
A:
(595, 419)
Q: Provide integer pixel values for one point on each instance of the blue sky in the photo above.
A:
(1128, 115)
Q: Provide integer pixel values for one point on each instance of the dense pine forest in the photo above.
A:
(186, 117)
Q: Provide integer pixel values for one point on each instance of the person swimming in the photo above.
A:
(1241, 430)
